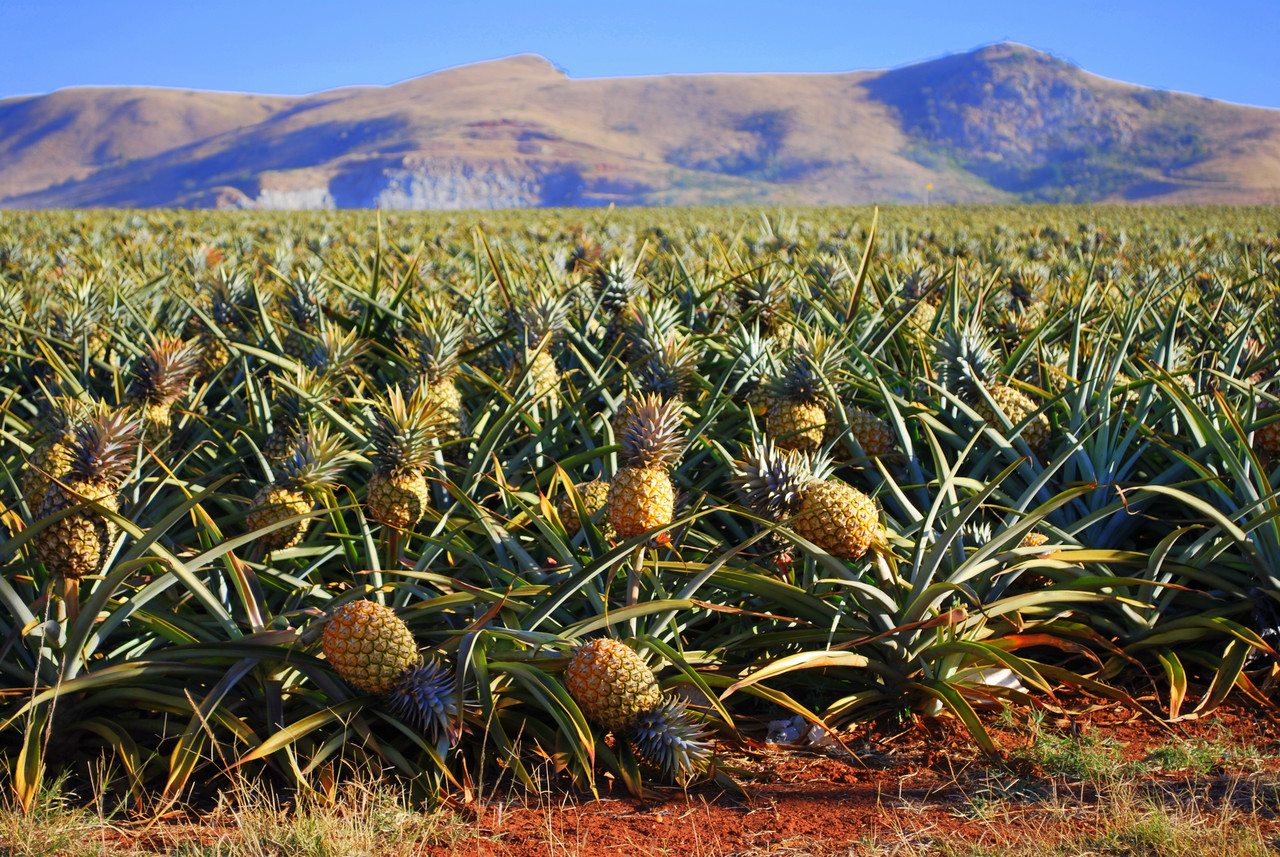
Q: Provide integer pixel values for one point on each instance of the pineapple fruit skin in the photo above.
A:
(837, 518)
(369, 646)
(1017, 406)
(640, 499)
(873, 434)
(50, 460)
(76, 546)
(275, 503)
(796, 425)
(1267, 438)
(611, 683)
(397, 500)
(595, 496)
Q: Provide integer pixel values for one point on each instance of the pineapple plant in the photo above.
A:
(753, 363)
(615, 688)
(797, 414)
(616, 288)
(790, 486)
(764, 299)
(161, 380)
(872, 433)
(315, 464)
(102, 455)
(641, 495)
(966, 364)
(375, 652)
(404, 438)
(294, 405)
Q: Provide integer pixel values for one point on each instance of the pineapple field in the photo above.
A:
(589, 498)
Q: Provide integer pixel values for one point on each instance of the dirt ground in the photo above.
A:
(897, 792)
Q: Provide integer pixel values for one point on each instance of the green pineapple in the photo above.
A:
(315, 464)
(51, 459)
(667, 373)
(404, 438)
(790, 486)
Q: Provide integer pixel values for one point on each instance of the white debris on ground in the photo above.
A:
(797, 730)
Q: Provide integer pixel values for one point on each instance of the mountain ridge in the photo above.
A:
(997, 124)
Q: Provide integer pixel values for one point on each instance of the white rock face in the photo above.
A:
(295, 200)
(456, 186)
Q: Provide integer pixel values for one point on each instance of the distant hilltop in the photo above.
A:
(999, 124)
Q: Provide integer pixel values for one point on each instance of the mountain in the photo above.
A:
(1001, 123)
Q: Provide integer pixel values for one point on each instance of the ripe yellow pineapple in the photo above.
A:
(102, 455)
(872, 433)
(433, 343)
(375, 652)
(641, 495)
(316, 463)
(788, 485)
(404, 438)
(666, 372)
(797, 416)
(615, 688)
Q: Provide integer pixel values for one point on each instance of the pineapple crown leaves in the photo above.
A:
(669, 738)
(305, 298)
(427, 697)
(763, 296)
(814, 363)
(648, 324)
(773, 481)
(541, 316)
(966, 360)
(669, 369)
(165, 369)
(230, 298)
(433, 342)
(616, 285)
(654, 437)
(316, 461)
(105, 446)
(405, 432)
(336, 352)
(752, 355)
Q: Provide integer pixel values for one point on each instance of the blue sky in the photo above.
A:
(1225, 49)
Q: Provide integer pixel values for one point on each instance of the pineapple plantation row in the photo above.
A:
(471, 499)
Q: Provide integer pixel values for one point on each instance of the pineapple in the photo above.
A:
(538, 324)
(615, 688)
(404, 439)
(641, 495)
(763, 300)
(797, 416)
(305, 301)
(102, 456)
(753, 363)
(966, 365)
(1266, 438)
(315, 464)
(162, 376)
(783, 485)
(872, 433)
(433, 345)
(595, 496)
(51, 459)
(617, 288)
(374, 651)
(295, 404)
